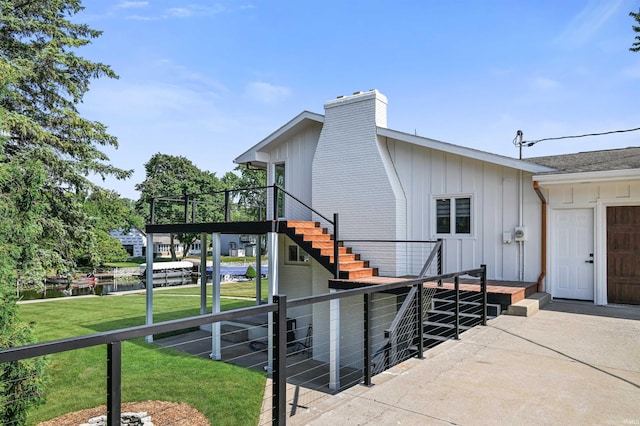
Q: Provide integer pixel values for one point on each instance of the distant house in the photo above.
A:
(134, 241)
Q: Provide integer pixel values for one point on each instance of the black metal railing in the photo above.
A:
(281, 309)
(409, 258)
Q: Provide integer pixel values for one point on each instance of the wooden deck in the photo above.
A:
(500, 292)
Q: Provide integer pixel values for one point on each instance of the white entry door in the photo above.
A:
(572, 254)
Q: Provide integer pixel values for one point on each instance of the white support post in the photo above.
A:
(149, 285)
(272, 252)
(203, 273)
(216, 348)
(334, 343)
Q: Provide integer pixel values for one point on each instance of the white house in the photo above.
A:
(542, 219)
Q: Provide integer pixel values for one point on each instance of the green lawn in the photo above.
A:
(235, 289)
(226, 394)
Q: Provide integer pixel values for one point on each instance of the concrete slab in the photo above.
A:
(571, 363)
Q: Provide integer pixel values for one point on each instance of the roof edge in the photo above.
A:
(251, 154)
(587, 177)
(464, 151)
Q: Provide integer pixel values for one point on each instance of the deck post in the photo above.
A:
(258, 270)
(272, 250)
(149, 285)
(203, 273)
(456, 281)
(483, 287)
(186, 208)
(114, 382)
(279, 374)
(216, 352)
(420, 319)
(367, 339)
(336, 247)
(227, 206)
(334, 343)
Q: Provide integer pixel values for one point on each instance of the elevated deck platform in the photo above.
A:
(500, 292)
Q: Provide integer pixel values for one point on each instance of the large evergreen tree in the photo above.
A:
(47, 150)
(41, 124)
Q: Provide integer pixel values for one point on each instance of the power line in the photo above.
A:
(531, 143)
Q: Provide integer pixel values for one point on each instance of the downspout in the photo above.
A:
(543, 260)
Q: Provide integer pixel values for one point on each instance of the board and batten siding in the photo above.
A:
(296, 152)
(426, 173)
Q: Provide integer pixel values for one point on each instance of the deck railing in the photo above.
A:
(281, 309)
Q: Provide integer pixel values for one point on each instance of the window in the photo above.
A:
(297, 255)
(453, 215)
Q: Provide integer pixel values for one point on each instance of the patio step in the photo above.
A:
(529, 306)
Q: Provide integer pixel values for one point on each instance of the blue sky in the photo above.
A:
(207, 80)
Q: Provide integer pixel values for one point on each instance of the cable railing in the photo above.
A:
(400, 258)
(311, 347)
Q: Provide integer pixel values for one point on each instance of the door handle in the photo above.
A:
(588, 261)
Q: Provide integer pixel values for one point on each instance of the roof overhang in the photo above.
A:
(463, 151)
(258, 155)
(587, 177)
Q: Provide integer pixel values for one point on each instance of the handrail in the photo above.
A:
(301, 202)
(432, 255)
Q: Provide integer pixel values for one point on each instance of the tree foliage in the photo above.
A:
(46, 139)
(635, 47)
(169, 179)
(250, 195)
(47, 151)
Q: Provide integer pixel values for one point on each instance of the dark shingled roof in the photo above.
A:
(592, 161)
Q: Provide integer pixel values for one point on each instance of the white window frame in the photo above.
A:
(452, 222)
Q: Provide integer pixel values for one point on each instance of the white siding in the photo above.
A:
(425, 173)
(297, 154)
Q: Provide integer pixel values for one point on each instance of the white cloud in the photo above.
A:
(587, 22)
(266, 93)
(131, 4)
(179, 12)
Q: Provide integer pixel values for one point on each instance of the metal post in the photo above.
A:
(149, 285)
(227, 206)
(193, 211)
(279, 373)
(440, 256)
(367, 339)
(258, 270)
(457, 319)
(186, 208)
(483, 286)
(152, 212)
(275, 202)
(203, 273)
(420, 320)
(114, 383)
(336, 247)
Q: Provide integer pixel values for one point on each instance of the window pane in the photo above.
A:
(443, 216)
(293, 253)
(463, 215)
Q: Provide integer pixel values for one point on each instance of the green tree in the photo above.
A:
(635, 47)
(250, 194)
(46, 79)
(169, 179)
(47, 151)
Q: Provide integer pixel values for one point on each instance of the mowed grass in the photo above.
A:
(231, 289)
(225, 394)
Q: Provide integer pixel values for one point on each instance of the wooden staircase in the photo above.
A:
(319, 244)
